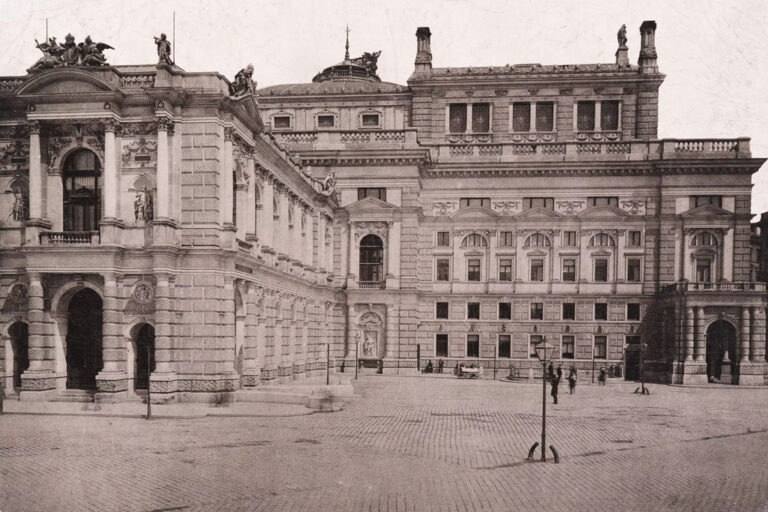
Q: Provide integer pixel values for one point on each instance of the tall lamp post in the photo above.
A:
(544, 353)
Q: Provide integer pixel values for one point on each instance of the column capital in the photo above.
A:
(229, 134)
(112, 125)
(164, 124)
(34, 127)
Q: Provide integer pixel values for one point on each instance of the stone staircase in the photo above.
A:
(74, 395)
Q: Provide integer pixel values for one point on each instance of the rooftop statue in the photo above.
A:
(622, 36)
(163, 50)
(55, 54)
(328, 184)
(368, 61)
(243, 83)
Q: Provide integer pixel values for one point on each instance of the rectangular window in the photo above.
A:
(633, 270)
(634, 239)
(481, 117)
(705, 200)
(505, 347)
(505, 311)
(601, 347)
(473, 310)
(567, 350)
(703, 271)
(603, 201)
(505, 270)
(537, 311)
(443, 238)
(473, 270)
(370, 120)
(585, 121)
(457, 117)
(601, 270)
(521, 117)
(507, 239)
(569, 311)
(378, 193)
(473, 345)
(609, 115)
(441, 345)
(601, 311)
(441, 310)
(569, 238)
(545, 116)
(443, 269)
(326, 121)
(475, 202)
(539, 202)
(281, 122)
(633, 311)
(534, 340)
(537, 270)
(569, 270)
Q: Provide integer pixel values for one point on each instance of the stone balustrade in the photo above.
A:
(686, 286)
(69, 238)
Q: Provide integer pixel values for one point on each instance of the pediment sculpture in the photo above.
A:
(87, 53)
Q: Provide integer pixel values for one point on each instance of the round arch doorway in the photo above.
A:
(84, 354)
(144, 356)
(721, 340)
(19, 338)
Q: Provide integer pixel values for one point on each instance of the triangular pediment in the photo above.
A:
(543, 213)
(370, 203)
(602, 212)
(707, 210)
(600, 252)
(67, 81)
(476, 213)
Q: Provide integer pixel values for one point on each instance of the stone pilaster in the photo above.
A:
(36, 224)
(689, 322)
(39, 378)
(701, 336)
(391, 334)
(163, 380)
(112, 380)
(757, 344)
(251, 355)
(744, 337)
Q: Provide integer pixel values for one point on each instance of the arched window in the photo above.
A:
(537, 240)
(474, 240)
(371, 259)
(704, 239)
(82, 191)
(602, 240)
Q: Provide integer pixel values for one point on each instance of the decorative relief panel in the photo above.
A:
(14, 155)
(633, 206)
(143, 292)
(506, 207)
(534, 137)
(139, 153)
(440, 208)
(570, 207)
(378, 228)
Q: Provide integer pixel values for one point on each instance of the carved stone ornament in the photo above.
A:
(132, 129)
(506, 207)
(633, 206)
(14, 155)
(87, 53)
(139, 152)
(441, 208)
(243, 84)
(20, 208)
(569, 207)
(380, 229)
(143, 293)
(18, 293)
(19, 131)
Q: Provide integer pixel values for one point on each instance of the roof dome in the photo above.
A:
(360, 68)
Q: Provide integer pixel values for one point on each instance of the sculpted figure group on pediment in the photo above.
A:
(87, 53)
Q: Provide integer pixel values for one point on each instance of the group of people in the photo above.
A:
(556, 378)
(429, 368)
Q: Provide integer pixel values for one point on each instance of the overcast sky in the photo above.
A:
(714, 53)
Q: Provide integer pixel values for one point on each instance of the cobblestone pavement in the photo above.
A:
(411, 444)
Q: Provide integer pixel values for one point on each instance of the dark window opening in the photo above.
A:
(601, 270)
(441, 310)
(569, 311)
(633, 311)
(473, 310)
(473, 345)
(537, 311)
(473, 270)
(569, 270)
(281, 122)
(601, 311)
(82, 191)
(521, 117)
(443, 270)
(609, 115)
(505, 347)
(545, 116)
(585, 120)
(481, 117)
(505, 311)
(568, 347)
(371, 259)
(378, 193)
(457, 117)
(441, 345)
(505, 270)
(370, 120)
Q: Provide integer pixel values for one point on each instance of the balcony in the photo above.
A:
(531, 151)
(357, 139)
(371, 285)
(69, 238)
(684, 286)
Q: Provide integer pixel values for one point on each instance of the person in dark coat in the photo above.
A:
(572, 380)
(559, 372)
(601, 377)
(555, 384)
(550, 371)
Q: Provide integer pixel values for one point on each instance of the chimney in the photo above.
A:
(647, 58)
(423, 50)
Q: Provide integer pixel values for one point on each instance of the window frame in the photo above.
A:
(466, 202)
(476, 339)
(438, 306)
(471, 272)
(630, 265)
(533, 117)
(508, 343)
(596, 201)
(437, 344)
(438, 268)
(508, 313)
(603, 305)
(573, 311)
(639, 312)
(634, 238)
(532, 345)
(361, 120)
(573, 274)
(563, 353)
(566, 240)
(506, 275)
(365, 192)
(506, 236)
(538, 307)
(604, 344)
(536, 264)
(548, 203)
(470, 307)
(333, 115)
(282, 115)
(441, 234)
(595, 267)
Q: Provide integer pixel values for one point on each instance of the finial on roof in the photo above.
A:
(346, 47)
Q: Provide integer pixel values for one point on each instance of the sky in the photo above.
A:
(714, 52)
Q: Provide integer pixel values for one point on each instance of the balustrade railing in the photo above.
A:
(694, 286)
(706, 146)
(372, 284)
(69, 238)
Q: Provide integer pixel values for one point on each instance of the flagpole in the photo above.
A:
(174, 37)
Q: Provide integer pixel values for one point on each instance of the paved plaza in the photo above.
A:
(409, 443)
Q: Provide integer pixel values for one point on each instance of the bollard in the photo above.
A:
(555, 454)
(533, 449)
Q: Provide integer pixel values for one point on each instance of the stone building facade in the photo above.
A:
(160, 229)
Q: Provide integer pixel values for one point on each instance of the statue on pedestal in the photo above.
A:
(142, 205)
(243, 83)
(163, 50)
(622, 36)
(91, 53)
(20, 212)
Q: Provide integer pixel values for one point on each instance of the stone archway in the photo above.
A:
(84, 339)
(17, 355)
(143, 337)
(721, 349)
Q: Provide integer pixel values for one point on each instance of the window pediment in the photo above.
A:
(370, 203)
(536, 252)
(707, 210)
(474, 212)
(541, 213)
(602, 212)
(601, 252)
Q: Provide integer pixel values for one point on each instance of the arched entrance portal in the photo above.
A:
(144, 356)
(721, 337)
(20, 348)
(84, 356)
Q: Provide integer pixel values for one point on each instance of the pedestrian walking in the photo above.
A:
(550, 371)
(572, 380)
(601, 378)
(559, 372)
(555, 384)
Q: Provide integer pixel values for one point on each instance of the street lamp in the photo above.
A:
(544, 353)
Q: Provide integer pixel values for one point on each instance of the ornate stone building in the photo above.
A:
(171, 228)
